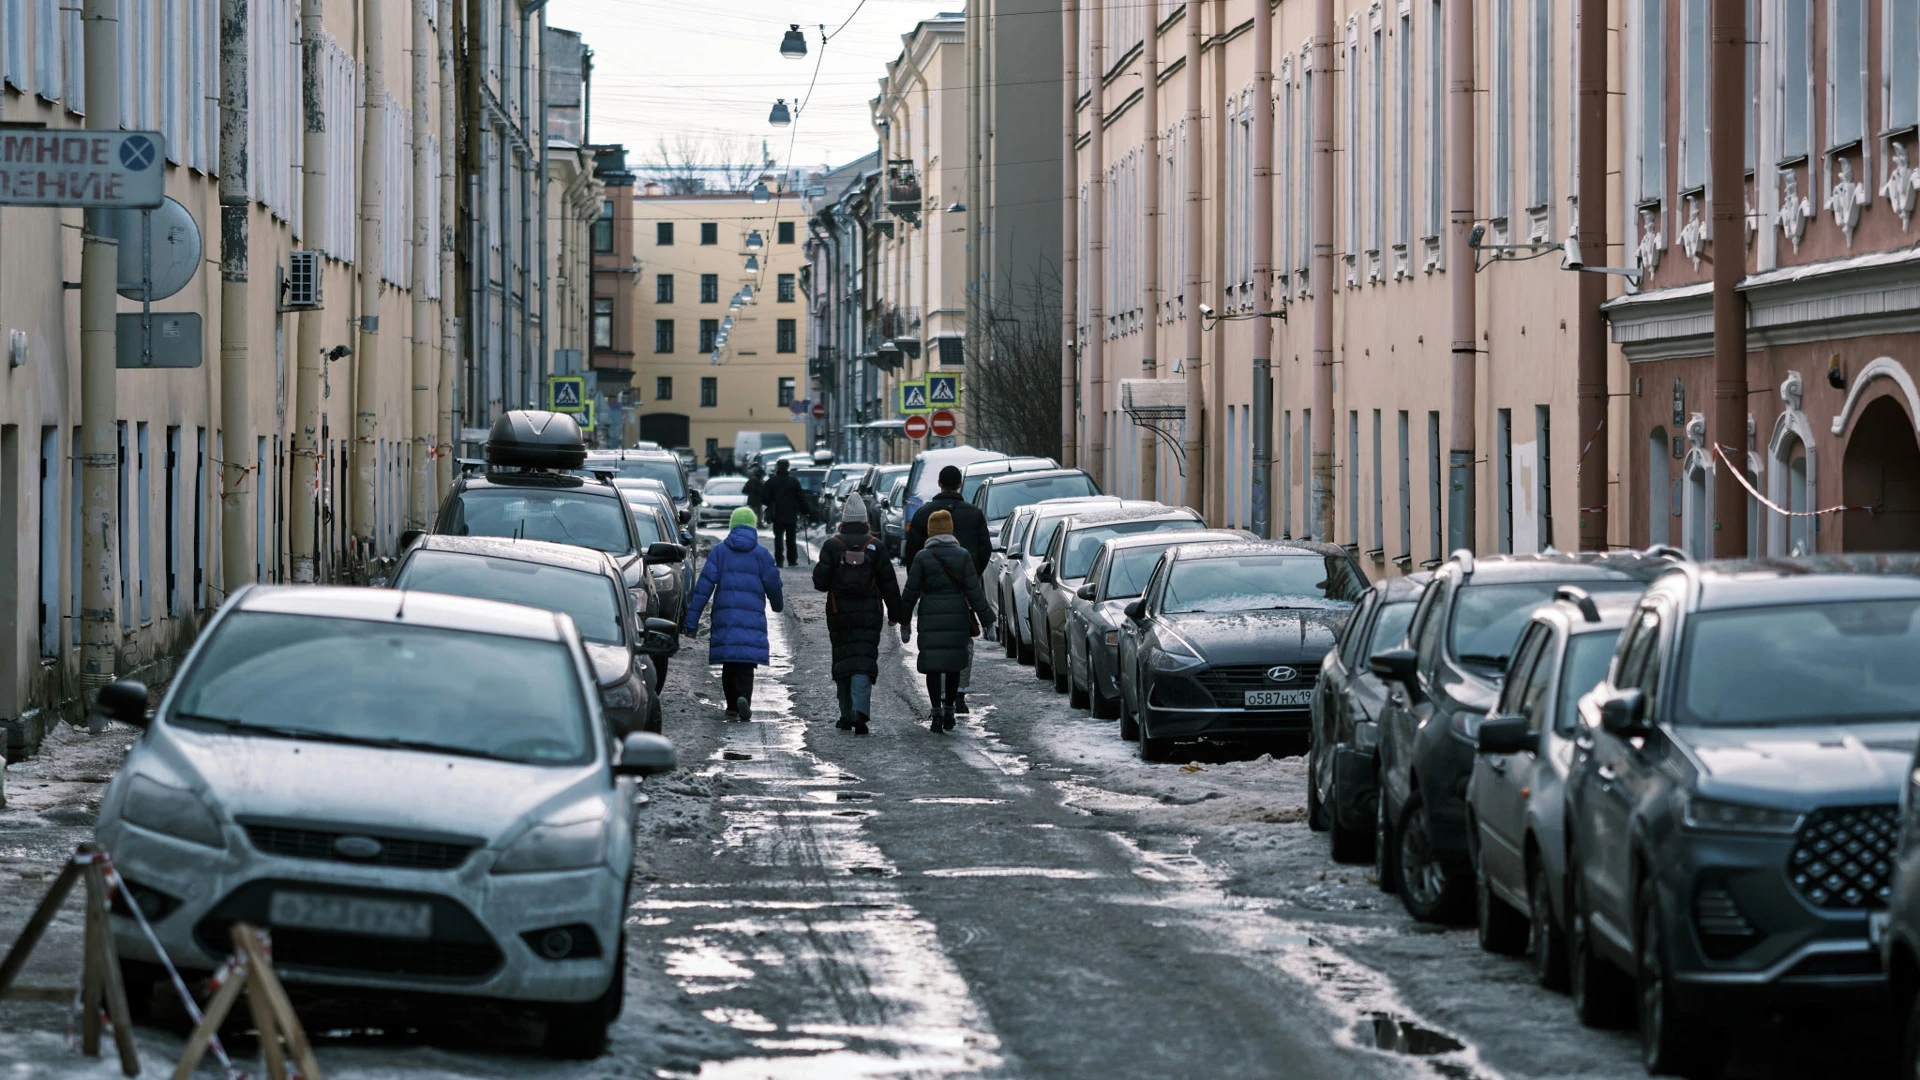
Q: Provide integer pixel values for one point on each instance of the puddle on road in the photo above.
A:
(956, 800)
(1404, 1036)
(840, 796)
(1057, 873)
(735, 755)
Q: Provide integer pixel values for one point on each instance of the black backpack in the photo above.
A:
(852, 573)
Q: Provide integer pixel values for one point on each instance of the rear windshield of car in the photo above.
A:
(1084, 544)
(1390, 629)
(667, 472)
(1584, 667)
(1487, 619)
(1262, 583)
(563, 517)
(1006, 497)
(1830, 663)
(378, 683)
(810, 479)
(725, 485)
(588, 598)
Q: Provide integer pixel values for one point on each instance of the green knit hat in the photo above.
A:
(743, 515)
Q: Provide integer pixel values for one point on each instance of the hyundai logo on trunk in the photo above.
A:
(358, 847)
(1281, 674)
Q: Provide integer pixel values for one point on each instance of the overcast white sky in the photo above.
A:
(664, 67)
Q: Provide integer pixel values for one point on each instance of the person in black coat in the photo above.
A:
(786, 501)
(944, 585)
(863, 595)
(969, 528)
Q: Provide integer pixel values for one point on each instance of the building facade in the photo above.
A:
(721, 329)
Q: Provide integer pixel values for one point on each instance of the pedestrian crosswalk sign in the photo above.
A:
(585, 416)
(567, 394)
(943, 391)
(913, 397)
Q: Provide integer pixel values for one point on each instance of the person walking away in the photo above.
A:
(741, 580)
(863, 595)
(944, 585)
(755, 488)
(786, 501)
(969, 527)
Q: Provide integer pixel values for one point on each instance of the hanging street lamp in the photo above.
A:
(761, 193)
(793, 46)
(753, 240)
(780, 116)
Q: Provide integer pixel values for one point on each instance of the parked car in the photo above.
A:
(1343, 759)
(750, 444)
(894, 514)
(874, 483)
(979, 472)
(1097, 611)
(662, 465)
(1517, 798)
(1441, 682)
(672, 582)
(999, 496)
(1065, 567)
(721, 496)
(998, 580)
(813, 482)
(1733, 813)
(923, 478)
(1033, 550)
(417, 794)
(1225, 640)
(577, 582)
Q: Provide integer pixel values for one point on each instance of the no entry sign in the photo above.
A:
(45, 167)
(916, 427)
(819, 410)
(942, 423)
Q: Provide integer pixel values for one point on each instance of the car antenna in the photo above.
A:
(400, 612)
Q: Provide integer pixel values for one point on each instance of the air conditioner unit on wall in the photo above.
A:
(303, 281)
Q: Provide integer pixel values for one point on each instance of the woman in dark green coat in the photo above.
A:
(945, 586)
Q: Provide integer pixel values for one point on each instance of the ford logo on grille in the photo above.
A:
(358, 847)
(1281, 674)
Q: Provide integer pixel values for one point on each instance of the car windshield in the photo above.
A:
(972, 481)
(1487, 619)
(839, 474)
(724, 486)
(1390, 629)
(661, 469)
(810, 479)
(1826, 663)
(648, 524)
(1041, 537)
(1017, 532)
(1131, 568)
(388, 684)
(1262, 583)
(565, 516)
(1006, 497)
(588, 598)
(1084, 544)
(1583, 668)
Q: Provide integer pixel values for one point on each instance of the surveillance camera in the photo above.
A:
(1206, 312)
(1571, 255)
(1478, 234)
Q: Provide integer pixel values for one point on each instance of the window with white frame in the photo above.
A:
(1647, 98)
(1540, 106)
(1351, 159)
(47, 56)
(1304, 252)
(1173, 221)
(172, 80)
(273, 106)
(1403, 134)
(1436, 118)
(1899, 71)
(436, 169)
(396, 196)
(1377, 142)
(1693, 94)
(1086, 49)
(1793, 77)
(1755, 33)
(1291, 174)
(1084, 279)
(1238, 239)
(16, 64)
(1847, 72)
(1500, 112)
(342, 90)
(73, 90)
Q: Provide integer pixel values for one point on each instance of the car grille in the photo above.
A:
(460, 949)
(401, 852)
(1843, 857)
(1229, 683)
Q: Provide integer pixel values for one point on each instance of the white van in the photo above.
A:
(746, 444)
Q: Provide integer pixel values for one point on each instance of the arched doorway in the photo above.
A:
(1881, 469)
(667, 429)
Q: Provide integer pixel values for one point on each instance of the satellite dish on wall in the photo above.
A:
(176, 249)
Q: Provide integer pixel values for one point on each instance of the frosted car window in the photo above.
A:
(1815, 664)
(1131, 568)
(378, 683)
(726, 485)
(1005, 497)
(562, 517)
(1262, 583)
(588, 598)
(1084, 544)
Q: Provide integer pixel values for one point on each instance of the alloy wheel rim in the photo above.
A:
(1424, 876)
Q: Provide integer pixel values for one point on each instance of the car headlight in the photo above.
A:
(572, 839)
(1175, 655)
(174, 811)
(1712, 815)
(1111, 637)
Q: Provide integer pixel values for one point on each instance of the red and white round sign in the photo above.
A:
(819, 410)
(942, 423)
(916, 427)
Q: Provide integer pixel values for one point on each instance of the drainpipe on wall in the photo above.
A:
(424, 330)
(449, 288)
(1263, 266)
(974, 297)
(1462, 506)
(237, 482)
(1321, 275)
(1096, 402)
(1727, 204)
(366, 383)
(1590, 380)
(1193, 438)
(99, 373)
(303, 514)
(1150, 246)
(1070, 238)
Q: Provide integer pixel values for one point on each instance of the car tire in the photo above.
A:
(1152, 749)
(1345, 843)
(1078, 696)
(1023, 652)
(1502, 930)
(1672, 1041)
(577, 1031)
(653, 721)
(1102, 706)
(1042, 661)
(1129, 723)
(1546, 935)
(1316, 809)
(1009, 637)
(1431, 890)
(1601, 994)
(1383, 843)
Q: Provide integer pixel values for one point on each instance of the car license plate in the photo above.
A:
(351, 914)
(1267, 699)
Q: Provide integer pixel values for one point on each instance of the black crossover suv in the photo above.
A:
(1442, 682)
(1733, 808)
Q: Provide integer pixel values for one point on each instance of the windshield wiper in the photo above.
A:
(241, 726)
(424, 747)
(1485, 659)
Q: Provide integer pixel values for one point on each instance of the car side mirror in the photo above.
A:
(1044, 575)
(1506, 735)
(1087, 591)
(658, 636)
(1624, 714)
(124, 700)
(693, 499)
(409, 537)
(685, 516)
(1137, 611)
(645, 754)
(1395, 665)
(666, 553)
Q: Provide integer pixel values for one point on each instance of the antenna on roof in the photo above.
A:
(401, 611)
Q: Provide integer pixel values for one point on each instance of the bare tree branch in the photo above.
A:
(1013, 392)
(691, 163)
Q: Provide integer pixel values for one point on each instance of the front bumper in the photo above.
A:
(476, 947)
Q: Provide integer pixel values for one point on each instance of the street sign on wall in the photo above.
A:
(819, 410)
(173, 343)
(916, 427)
(941, 423)
(48, 167)
(943, 391)
(913, 397)
(567, 393)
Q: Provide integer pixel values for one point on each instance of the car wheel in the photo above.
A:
(140, 977)
(1102, 706)
(1316, 810)
(1129, 723)
(1383, 868)
(1009, 638)
(1152, 749)
(578, 1031)
(1671, 1041)
(1546, 938)
(1503, 930)
(1431, 890)
(1346, 844)
(1042, 660)
(652, 722)
(1062, 673)
(1600, 991)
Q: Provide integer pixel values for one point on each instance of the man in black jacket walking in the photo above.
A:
(785, 500)
(969, 527)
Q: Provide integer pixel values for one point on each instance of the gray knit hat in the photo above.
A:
(855, 510)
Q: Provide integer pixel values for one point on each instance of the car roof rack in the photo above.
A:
(1668, 551)
(1580, 598)
(1464, 557)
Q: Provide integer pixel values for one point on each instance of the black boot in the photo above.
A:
(845, 723)
(946, 718)
(960, 705)
(860, 723)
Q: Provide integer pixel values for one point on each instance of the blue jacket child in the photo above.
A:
(741, 580)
